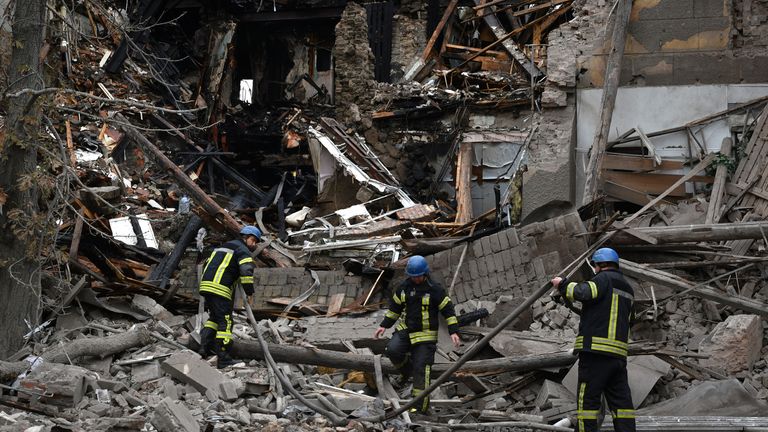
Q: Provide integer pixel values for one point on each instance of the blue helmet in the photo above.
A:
(605, 255)
(251, 230)
(417, 266)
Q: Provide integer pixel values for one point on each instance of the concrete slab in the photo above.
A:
(187, 367)
(143, 372)
(734, 344)
(173, 416)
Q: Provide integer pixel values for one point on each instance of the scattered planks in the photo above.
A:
(679, 284)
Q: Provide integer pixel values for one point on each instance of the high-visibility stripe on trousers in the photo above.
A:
(603, 375)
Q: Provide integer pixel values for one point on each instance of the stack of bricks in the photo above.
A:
(291, 282)
(512, 262)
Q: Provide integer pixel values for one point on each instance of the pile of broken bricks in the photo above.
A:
(152, 383)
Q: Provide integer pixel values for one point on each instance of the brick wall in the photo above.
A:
(291, 282)
(512, 262)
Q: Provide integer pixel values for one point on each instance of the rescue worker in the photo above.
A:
(602, 343)
(417, 302)
(229, 264)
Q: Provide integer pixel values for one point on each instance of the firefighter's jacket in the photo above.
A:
(417, 307)
(607, 308)
(227, 265)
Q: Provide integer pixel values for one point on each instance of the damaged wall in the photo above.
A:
(512, 262)
(408, 41)
(355, 84)
(689, 42)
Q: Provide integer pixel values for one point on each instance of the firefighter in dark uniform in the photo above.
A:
(417, 302)
(229, 264)
(602, 342)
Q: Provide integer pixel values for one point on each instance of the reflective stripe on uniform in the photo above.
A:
(425, 313)
(451, 320)
(396, 298)
(245, 261)
(593, 286)
(211, 325)
(216, 288)
(226, 333)
(444, 303)
(423, 336)
(392, 315)
(569, 291)
(246, 280)
(613, 317)
(624, 414)
(222, 267)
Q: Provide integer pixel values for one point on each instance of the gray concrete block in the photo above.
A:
(474, 273)
(481, 267)
(188, 368)
(538, 267)
(143, 372)
(517, 258)
(228, 390)
(173, 416)
(512, 237)
(499, 261)
(506, 258)
(490, 264)
(495, 243)
(477, 249)
(486, 243)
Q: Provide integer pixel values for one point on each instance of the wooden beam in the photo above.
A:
(518, 55)
(416, 69)
(718, 187)
(464, 184)
(653, 183)
(594, 171)
(698, 233)
(627, 194)
(623, 162)
(679, 284)
(695, 170)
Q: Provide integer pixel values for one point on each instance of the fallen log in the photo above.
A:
(695, 233)
(336, 359)
(85, 347)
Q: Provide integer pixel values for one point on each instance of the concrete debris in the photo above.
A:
(734, 344)
(172, 416)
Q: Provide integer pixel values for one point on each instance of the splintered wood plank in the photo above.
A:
(334, 305)
(638, 163)
(653, 184)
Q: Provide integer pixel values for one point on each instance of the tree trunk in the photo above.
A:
(319, 357)
(84, 347)
(19, 270)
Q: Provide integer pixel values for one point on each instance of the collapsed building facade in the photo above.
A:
(358, 134)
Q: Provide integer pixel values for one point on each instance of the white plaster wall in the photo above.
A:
(658, 108)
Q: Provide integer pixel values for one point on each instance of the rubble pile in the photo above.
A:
(152, 159)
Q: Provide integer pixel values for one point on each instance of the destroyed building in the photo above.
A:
(503, 140)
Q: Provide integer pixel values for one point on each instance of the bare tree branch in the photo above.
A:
(115, 101)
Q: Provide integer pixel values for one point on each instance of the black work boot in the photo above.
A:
(207, 348)
(223, 359)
